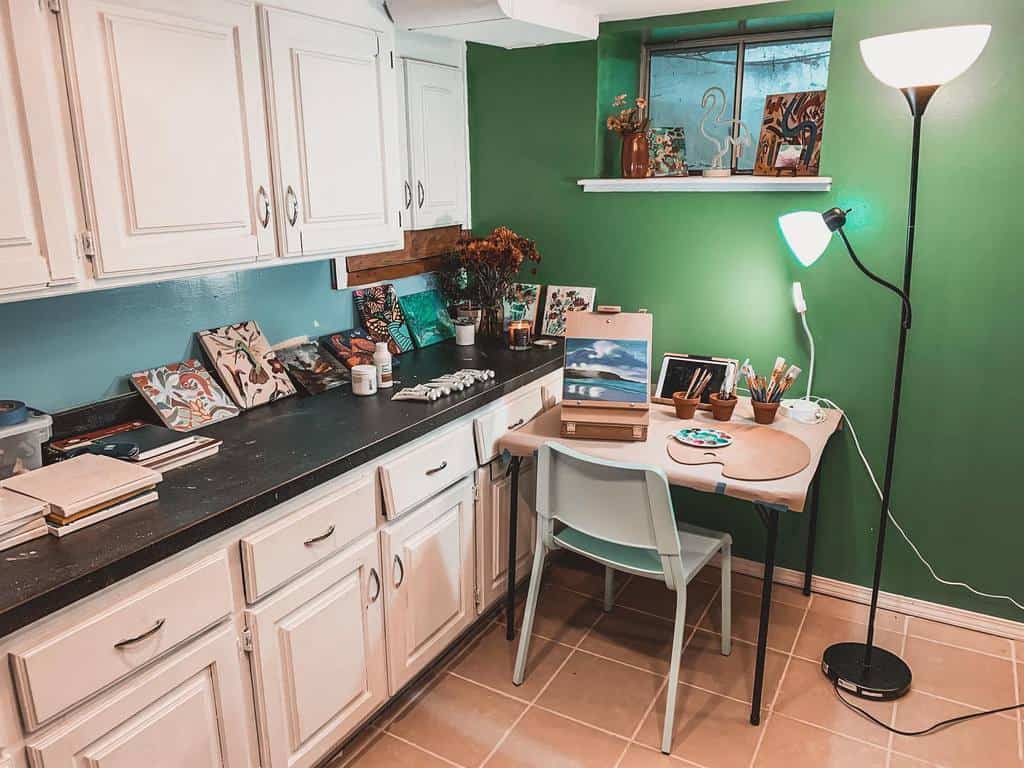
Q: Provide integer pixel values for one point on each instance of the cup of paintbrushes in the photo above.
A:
(686, 407)
(764, 413)
(722, 406)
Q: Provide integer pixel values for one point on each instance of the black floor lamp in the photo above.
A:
(917, 63)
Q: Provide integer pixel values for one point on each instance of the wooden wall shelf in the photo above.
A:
(702, 184)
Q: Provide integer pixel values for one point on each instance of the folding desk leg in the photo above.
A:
(770, 518)
(812, 530)
(513, 533)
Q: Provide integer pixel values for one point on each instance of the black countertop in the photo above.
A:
(270, 454)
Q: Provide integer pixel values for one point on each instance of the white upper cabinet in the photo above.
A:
(436, 124)
(36, 228)
(331, 90)
(172, 132)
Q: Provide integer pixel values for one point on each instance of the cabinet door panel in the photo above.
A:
(30, 257)
(428, 556)
(188, 710)
(318, 657)
(492, 526)
(334, 120)
(437, 143)
(173, 132)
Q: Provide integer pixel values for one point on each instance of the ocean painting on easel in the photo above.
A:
(606, 370)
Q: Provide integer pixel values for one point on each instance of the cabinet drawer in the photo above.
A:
(299, 541)
(422, 472)
(73, 664)
(490, 427)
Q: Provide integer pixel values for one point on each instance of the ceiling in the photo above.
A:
(614, 10)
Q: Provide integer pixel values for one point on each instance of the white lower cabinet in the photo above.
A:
(318, 658)
(428, 584)
(186, 711)
(492, 528)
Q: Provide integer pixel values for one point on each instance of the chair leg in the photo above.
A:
(673, 673)
(540, 552)
(609, 588)
(726, 598)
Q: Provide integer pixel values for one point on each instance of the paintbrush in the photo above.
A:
(693, 380)
(702, 384)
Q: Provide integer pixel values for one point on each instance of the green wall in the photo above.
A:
(716, 274)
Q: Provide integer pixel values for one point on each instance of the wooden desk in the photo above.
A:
(769, 497)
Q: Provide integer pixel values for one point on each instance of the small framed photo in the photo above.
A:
(677, 371)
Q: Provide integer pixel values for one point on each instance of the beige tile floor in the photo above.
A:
(595, 689)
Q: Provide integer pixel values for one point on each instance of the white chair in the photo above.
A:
(621, 515)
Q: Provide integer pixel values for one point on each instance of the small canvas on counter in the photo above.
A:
(560, 300)
(314, 370)
(184, 396)
(251, 371)
(521, 303)
(606, 370)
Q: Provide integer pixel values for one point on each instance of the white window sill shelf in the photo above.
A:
(710, 184)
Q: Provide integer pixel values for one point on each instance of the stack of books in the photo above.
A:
(21, 519)
(86, 489)
(160, 448)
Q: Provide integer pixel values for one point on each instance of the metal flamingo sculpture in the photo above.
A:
(714, 98)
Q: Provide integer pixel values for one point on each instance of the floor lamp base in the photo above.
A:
(886, 679)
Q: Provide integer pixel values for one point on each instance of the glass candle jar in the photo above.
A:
(520, 335)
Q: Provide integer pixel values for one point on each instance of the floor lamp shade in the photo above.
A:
(926, 56)
(806, 235)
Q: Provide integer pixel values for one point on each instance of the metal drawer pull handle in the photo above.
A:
(423, 194)
(325, 535)
(401, 571)
(376, 580)
(264, 199)
(139, 638)
(517, 424)
(435, 470)
(408, 195)
(292, 201)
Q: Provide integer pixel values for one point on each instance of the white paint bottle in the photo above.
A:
(382, 360)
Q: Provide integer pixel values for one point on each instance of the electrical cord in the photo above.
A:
(924, 731)
(903, 533)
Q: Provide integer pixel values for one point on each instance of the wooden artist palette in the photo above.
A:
(757, 453)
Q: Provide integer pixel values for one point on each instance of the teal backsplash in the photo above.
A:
(68, 350)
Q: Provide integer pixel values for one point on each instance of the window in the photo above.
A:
(747, 69)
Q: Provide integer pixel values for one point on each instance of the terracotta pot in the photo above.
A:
(686, 407)
(722, 408)
(764, 413)
(636, 155)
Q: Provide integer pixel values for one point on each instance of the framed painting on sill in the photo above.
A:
(791, 133)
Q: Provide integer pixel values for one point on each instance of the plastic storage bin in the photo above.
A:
(21, 445)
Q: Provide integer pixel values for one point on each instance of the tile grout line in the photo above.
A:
(414, 745)
(782, 679)
(1017, 696)
(891, 740)
(540, 693)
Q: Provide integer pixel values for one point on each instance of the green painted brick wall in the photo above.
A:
(716, 274)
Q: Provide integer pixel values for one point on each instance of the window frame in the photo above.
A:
(741, 41)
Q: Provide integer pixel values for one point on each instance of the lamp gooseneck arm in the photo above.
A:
(881, 281)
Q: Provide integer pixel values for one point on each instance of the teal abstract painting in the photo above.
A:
(427, 318)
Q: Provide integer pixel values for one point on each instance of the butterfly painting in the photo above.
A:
(562, 299)
(314, 370)
(251, 371)
(184, 395)
(382, 317)
(352, 348)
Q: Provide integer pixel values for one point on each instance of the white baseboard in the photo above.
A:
(911, 606)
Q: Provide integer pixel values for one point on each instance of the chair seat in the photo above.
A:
(699, 545)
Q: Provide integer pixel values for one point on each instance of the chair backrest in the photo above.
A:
(622, 503)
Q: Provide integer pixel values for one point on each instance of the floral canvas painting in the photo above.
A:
(250, 370)
(561, 299)
(352, 348)
(184, 395)
(382, 317)
(427, 318)
(314, 370)
(521, 303)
